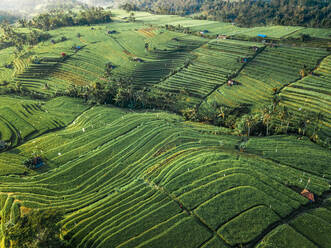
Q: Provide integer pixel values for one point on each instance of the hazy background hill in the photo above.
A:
(28, 7)
(309, 13)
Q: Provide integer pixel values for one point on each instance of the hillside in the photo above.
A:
(164, 131)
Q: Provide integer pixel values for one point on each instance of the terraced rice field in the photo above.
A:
(6, 58)
(215, 27)
(86, 65)
(150, 178)
(311, 229)
(212, 66)
(310, 98)
(80, 68)
(324, 33)
(272, 69)
(160, 63)
(22, 119)
(154, 180)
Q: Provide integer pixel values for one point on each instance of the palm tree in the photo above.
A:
(267, 112)
(316, 119)
(247, 122)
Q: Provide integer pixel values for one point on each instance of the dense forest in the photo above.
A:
(310, 13)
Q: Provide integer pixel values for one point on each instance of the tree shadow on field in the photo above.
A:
(15, 151)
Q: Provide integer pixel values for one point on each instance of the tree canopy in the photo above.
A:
(58, 18)
(311, 13)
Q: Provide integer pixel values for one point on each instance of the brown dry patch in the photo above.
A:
(147, 32)
(70, 77)
(82, 40)
(24, 210)
(128, 53)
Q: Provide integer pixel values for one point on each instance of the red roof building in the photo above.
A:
(308, 195)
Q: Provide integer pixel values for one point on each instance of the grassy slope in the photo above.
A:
(121, 178)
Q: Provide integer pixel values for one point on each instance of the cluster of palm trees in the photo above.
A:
(122, 92)
(270, 119)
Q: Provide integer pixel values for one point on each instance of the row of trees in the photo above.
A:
(312, 13)
(58, 18)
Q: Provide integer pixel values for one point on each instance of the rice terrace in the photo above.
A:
(132, 127)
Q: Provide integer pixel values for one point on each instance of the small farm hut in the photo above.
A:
(204, 31)
(243, 60)
(308, 195)
(63, 54)
(254, 48)
(38, 162)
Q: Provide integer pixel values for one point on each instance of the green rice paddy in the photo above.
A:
(149, 178)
